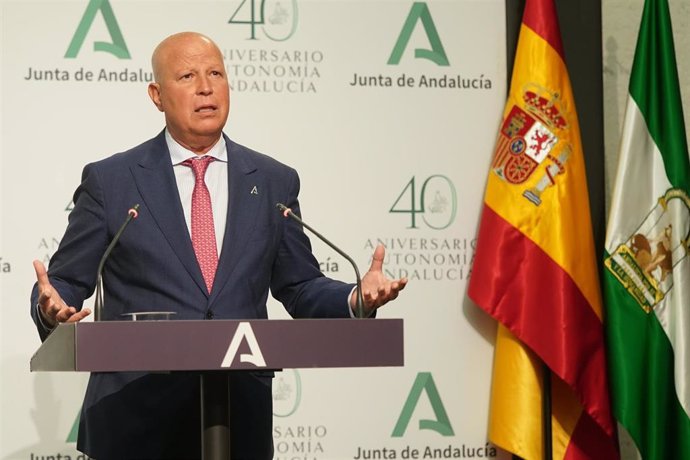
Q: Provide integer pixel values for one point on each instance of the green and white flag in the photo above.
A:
(647, 266)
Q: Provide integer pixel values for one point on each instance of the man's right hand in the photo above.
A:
(52, 308)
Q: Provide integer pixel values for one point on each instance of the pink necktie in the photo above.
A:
(203, 232)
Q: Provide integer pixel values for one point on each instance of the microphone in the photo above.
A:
(287, 212)
(132, 213)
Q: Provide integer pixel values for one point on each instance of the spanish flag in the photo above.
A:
(535, 268)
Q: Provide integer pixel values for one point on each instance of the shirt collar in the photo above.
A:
(178, 154)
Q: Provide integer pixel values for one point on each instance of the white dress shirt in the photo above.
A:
(216, 181)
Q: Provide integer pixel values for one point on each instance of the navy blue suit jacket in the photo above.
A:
(153, 268)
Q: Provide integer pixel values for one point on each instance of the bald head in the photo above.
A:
(172, 45)
(191, 89)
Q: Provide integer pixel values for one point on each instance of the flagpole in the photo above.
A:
(546, 412)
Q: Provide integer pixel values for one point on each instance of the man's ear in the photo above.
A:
(155, 95)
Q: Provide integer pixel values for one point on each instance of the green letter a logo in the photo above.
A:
(441, 425)
(118, 47)
(420, 11)
(72, 436)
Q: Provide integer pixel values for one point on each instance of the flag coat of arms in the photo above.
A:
(647, 268)
(535, 268)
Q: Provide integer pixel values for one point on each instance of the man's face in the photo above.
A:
(192, 90)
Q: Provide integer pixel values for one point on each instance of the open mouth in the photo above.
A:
(206, 109)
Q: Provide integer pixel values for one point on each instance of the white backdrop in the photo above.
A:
(368, 155)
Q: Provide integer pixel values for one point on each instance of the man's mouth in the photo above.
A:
(205, 109)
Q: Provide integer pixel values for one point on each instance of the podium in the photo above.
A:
(215, 347)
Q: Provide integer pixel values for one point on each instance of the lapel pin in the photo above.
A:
(254, 191)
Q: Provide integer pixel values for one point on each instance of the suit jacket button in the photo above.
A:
(209, 314)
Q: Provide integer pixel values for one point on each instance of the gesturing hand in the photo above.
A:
(377, 290)
(52, 308)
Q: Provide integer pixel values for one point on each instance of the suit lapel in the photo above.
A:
(156, 183)
(244, 206)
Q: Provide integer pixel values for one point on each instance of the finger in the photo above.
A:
(41, 274)
(377, 259)
(387, 299)
(384, 291)
(64, 314)
(45, 291)
(49, 308)
(399, 285)
(44, 298)
(78, 316)
(50, 302)
(370, 299)
(392, 295)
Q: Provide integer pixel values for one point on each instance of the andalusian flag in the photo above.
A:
(647, 275)
(535, 267)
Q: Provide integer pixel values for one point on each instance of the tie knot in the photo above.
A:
(199, 166)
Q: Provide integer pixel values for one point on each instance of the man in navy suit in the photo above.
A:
(155, 267)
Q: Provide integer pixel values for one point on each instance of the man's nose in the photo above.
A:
(204, 85)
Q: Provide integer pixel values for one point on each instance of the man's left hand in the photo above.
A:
(377, 290)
